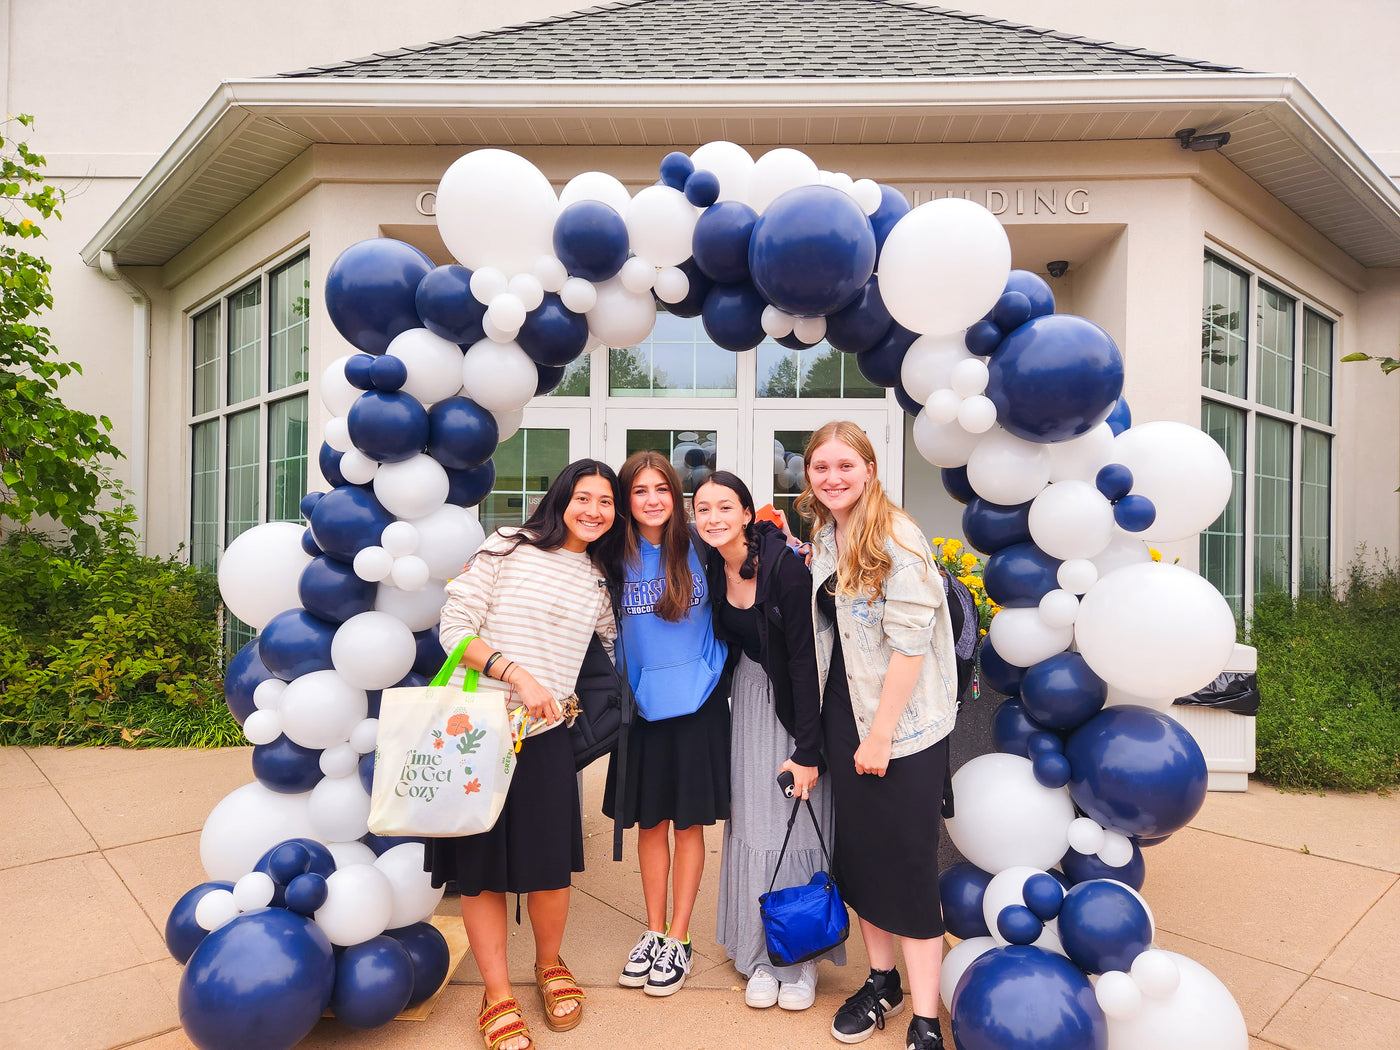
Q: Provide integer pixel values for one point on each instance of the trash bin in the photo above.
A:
(1221, 718)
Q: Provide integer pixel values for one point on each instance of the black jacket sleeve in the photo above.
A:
(794, 607)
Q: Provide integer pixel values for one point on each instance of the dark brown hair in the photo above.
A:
(674, 603)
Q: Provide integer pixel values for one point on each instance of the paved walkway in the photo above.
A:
(1292, 900)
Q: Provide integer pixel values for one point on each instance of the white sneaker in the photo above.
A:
(801, 993)
(639, 963)
(762, 989)
(671, 968)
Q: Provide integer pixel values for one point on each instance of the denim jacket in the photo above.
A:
(910, 618)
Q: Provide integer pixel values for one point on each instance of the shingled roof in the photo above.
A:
(760, 39)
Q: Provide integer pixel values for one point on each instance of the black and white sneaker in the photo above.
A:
(923, 1034)
(640, 961)
(879, 997)
(671, 968)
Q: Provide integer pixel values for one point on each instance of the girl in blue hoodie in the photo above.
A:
(677, 778)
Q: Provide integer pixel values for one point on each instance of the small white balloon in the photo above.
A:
(359, 901)
(365, 735)
(596, 186)
(336, 392)
(399, 538)
(413, 893)
(776, 323)
(372, 650)
(357, 468)
(262, 727)
(268, 695)
(943, 405)
(506, 312)
(434, 365)
(943, 444)
(339, 809)
(373, 564)
(1022, 638)
(411, 488)
(215, 909)
(1058, 608)
(526, 287)
(410, 572)
(1077, 575)
(498, 376)
(550, 272)
(867, 195)
(337, 434)
(969, 378)
(339, 760)
(507, 423)
(1086, 836)
(1156, 973)
(1007, 470)
(672, 285)
(660, 225)
(810, 330)
(1116, 851)
(417, 610)
(319, 709)
(495, 333)
(578, 295)
(1118, 995)
(637, 275)
(977, 414)
(487, 283)
(254, 890)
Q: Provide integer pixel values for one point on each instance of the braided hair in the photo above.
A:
(732, 482)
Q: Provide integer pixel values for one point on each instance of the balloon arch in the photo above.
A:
(1019, 405)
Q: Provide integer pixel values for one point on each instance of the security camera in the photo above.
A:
(1057, 268)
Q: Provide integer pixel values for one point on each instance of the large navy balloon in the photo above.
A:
(182, 934)
(1081, 867)
(1136, 770)
(861, 323)
(812, 251)
(1017, 577)
(733, 316)
(721, 241)
(295, 643)
(447, 307)
(882, 362)
(347, 520)
(1023, 997)
(1061, 692)
(590, 239)
(330, 589)
(286, 767)
(1055, 378)
(694, 302)
(467, 488)
(428, 950)
(262, 980)
(989, 526)
(961, 888)
(1121, 417)
(389, 427)
(461, 434)
(245, 673)
(552, 334)
(373, 982)
(371, 289)
(1104, 926)
(906, 401)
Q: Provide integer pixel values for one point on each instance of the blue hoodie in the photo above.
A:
(672, 667)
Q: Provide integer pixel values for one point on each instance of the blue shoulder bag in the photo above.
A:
(803, 922)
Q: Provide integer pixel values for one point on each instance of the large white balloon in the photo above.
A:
(447, 538)
(411, 488)
(418, 609)
(929, 362)
(339, 809)
(1022, 637)
(1123, 550)
(778, 171)
(1198, 1011)
(730, 163)
(1081, 458)
(620, 317)
(1071, 519)
(434, 364)
(347, 853)
(955, 964)
(495, 208)
(359, 901)
(246, 823)
(1005, 469)
(320, 709)
(1005, 818)
(1154, 629)
(660, 223)
(500, 377)
(1181, 470)
(414, 896)
(336, 392)
(372, 650)
(944, 444)
(944, 265)
(260, 570)
(595, 186)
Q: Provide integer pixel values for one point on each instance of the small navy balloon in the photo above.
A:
(388, 373)
(676, 168)
(1114, 481)
(1017, 924)
(359, 371)
(1134, 513)
(961, 887)
(590, 239)
(702, 188)
(461, 434)
(306, 893)
(733, 316)
(982, 338)
(1017, 577)
(328, 459)
(881, 364)
(388, 427)
(182, 934)
(447, 307)
(295, 643)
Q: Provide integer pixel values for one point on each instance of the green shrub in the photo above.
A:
(108, 647)
(1329, 683)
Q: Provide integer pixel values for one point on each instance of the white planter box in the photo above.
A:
(1225, 738)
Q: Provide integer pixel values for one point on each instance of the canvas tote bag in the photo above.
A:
(445, 755)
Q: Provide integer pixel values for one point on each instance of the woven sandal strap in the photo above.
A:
(496, 1010)
(568, 992)
(508, 1031)
(555, 973)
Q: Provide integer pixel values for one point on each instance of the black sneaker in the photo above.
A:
(879, 997)
(923, 1034)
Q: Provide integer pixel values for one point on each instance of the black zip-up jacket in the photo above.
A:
(786, 638)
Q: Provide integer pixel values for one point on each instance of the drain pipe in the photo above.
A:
(140, 388)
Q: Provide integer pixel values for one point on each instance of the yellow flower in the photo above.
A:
(25, 226)
(951, 548)
(938, 541)
(966, 581)
(1156, 554)
(969, 560)
(983, 632)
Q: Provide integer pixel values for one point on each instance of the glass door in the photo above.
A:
(528, 461)
(698, 441)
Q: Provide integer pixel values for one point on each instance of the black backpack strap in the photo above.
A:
(629, 707)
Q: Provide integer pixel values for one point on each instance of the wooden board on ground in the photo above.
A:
(450, 926)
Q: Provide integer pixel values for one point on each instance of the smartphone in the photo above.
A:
(786, 782)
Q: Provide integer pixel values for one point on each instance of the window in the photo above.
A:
(817, 371)
(1266, 370)
(676, 360)
(527, 463)
(248, 411)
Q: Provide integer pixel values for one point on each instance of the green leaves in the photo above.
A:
(1388, 364)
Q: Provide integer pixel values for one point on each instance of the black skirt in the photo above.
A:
(677, 768)
(885, 859)
(537, 842)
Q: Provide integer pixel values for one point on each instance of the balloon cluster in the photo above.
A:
(1021, 407)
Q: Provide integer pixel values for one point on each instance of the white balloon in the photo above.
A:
(1071, 520)
(268, 695)
(620, 317)
(260, 571)
(357, 468)
(372, 650)
(672, 285)
(1059, 608)
(340, 760)
(373, 564)
(728, 162)
(867, 195)
(319, 709)
(578, 295)
(944, 265)
(1007, 470)
(410, 572)
(338, 809)
(487, 283)
(399, 538)
(1123, 550)
(365, 735)
(1081, 458)
(929, 362)
(1006, 889)
(216, 908)
(943, 407)
(1199, 1012)
(418, 610)
(1086, 836)
(1005, 817)
(550, 272)
(337, 434)
(414, 896)
(495, 208)
(262, 727)
(411, 488)
(1117, 849)
(359, 901)
(1118, 995)
(1156, 973)
(1122, 698)
(778, 171)
(246, 823)
(777, 323)
(810, 330)
(1022, 638)
(254, 890)
(977, 414)
(434, 364)
(969, 378)
(1181, 470)
(506, 312)
(498, 376)
(596, 186)
(1077, 575)
(1152, 629)
(637, 275)
(447, 538)
(347, 853)
(943, 444)
(507, 423)
(955, 964)
(336, 392)
(526, 288)
(660, 225)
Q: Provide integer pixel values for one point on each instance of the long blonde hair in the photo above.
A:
(863, 564)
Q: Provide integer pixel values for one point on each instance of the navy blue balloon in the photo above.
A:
(306, 893)
(286, 767)
(309, 545)
(812, 251)
(702, 188)
(375, 696)
(590, 239)
(347, 521)
(1062, 692)
(1134, 513)
(328, 459)
(990, 527)
(1020, 996)
(861, 323)
(1043, 742)
(1050, 769)
(882, 362)
(262, 980)
(1114, 481)
(245, 673)
(955, 483)
(906, 402)
(427, 949)
(467, 488)
(329, 588)
(694, 302)
(547, 378)
(182, 934)
(381, 844)
(308, 503)
(359, 371)
(365, 771)
(1080, 867)
(997, 674)
(373, 982)
(1137, 771)
(961, 888)
(982, 338)
(461, 434)
(1103, 926)
(370, 291)
(447, 307)
(1012, 727)
(1019, 925)
(793, 343)
(893, 207)
(1034, 288)
(676, 167)
(1121, 418)
(290, 858)
(733, 316)
(1147, 841)
(295, 643)
(1011, 311)
(553, 334)
(720, 242)
(429, 654)
(388, 373)
(1055, 378)
(388, 427)
(1017, 577)
(1043, 895)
